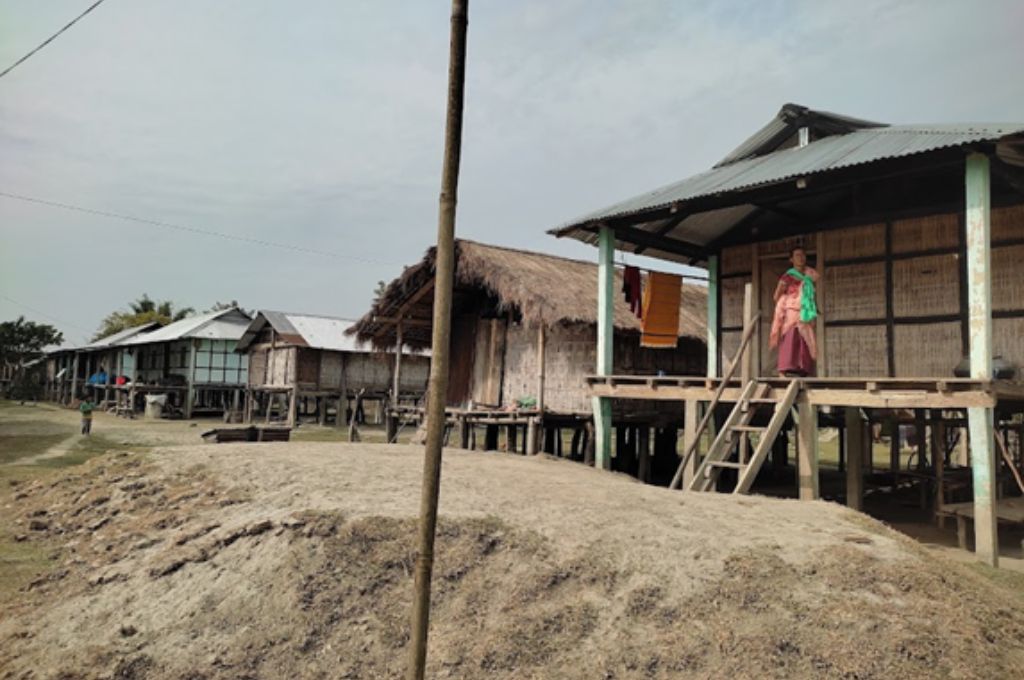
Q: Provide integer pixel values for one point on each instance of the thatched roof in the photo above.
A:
(535, 286)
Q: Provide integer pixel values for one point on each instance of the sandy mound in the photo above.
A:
(273, 561)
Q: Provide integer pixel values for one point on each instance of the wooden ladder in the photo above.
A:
(736, 428)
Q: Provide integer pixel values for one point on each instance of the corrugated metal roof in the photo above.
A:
(306, 330)
(784, 126)
(226, 324)
(120, 336)
(821, 156)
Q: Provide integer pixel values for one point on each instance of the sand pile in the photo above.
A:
(285, 560)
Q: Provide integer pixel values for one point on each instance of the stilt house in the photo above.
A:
(193, 361)
(917, 232)
(524, 336)
(301, 360)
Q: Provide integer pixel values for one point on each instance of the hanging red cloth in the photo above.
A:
(632, 289)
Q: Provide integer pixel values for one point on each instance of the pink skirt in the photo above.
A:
(794, 355)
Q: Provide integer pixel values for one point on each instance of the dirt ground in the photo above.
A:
(167, 558)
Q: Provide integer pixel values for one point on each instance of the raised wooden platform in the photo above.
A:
(889, 393)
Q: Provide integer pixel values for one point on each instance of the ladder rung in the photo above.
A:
(762, 400)
(727, 464)
(748, 428)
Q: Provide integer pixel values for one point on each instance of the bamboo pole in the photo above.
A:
(440, 346)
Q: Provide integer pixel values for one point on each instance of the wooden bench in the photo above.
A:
(1009, 510)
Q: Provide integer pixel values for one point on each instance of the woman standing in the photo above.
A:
(795, 312)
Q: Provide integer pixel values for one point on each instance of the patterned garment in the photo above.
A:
(798, 346)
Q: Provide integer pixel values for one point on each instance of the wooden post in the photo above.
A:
(74, 380)
(269, 398)
(293, 402)
(190, 396)
(464, 431)
(894, 451)
(444, 274)
(605, 347)
(643, 452)
(396, 385)
(854, 459)
(342, 420)
(755, 279)
(690, 420)
(713, 316)
(821, 367)
(979, 295)
(807, 450)
(747, 360)
(939, 466)
(541, 352)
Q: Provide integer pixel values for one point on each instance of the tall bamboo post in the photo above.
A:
(605, 345)
(440, 346)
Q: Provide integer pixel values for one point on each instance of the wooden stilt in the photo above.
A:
(807, 451)
(980, 420)
(690, 421)
(854, 459)
(894, 452)
(589, 447)
(938, 466)
(510, 438)
(643, 453)
(464, 442)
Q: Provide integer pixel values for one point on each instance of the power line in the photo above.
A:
(194, 230)
(45, 315)
(51, 38)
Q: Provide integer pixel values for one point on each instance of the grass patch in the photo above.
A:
(1011, 580)
(14, 447)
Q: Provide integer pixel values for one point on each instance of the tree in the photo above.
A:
(378, 292)
(143, 310)
(22, 341)
(221, 306)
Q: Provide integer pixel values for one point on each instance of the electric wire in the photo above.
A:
(51, 38)
(195, 230)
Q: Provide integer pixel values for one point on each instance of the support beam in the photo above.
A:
(979, 297)
(807, 451)
(397, 377)
(342, 420)
(691, 417)
(605, 347)
(190, 392)
(713, 316)
(854, 459)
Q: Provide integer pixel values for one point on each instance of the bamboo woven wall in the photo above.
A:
(925, 233)
(571, 354)
(927, 349)
(1007, 284)
(923, 306)
(1008, 223)
(925, 286)
(855, 291)
(857, 351)
(1008, 341)
(735, 260)
(863, 241)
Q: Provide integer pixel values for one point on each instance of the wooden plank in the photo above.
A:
(747, 357)
(979, 293)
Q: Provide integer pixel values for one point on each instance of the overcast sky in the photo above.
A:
(319, 124)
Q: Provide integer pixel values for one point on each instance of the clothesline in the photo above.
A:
(691, 277)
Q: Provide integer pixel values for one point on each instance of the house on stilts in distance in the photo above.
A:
(303, 365)
(916, 232)
(523, 339)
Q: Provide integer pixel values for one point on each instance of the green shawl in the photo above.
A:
(808, 308)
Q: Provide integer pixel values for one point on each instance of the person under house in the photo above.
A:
(795, 312)
(86, 408)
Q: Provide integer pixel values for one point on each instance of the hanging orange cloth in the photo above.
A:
(660, 325)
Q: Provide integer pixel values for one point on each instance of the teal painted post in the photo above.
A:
(713, 316)
(605, 346)
(979, 298)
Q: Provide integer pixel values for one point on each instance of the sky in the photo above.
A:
(318, 125)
